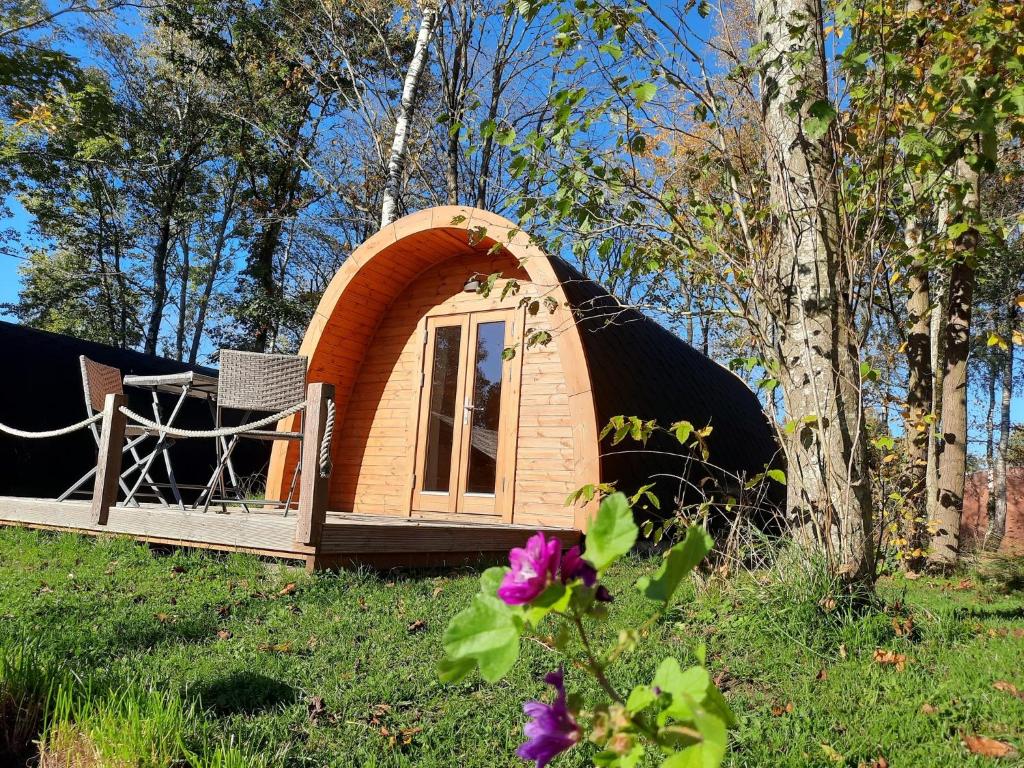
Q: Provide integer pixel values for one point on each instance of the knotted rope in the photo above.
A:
(222, 432)
(51, 432)
(325, 444)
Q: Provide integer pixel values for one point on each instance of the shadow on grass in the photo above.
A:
(993, 613)
(245, 693)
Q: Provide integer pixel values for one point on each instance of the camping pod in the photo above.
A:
(474, 374)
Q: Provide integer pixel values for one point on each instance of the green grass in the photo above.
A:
(339, 670)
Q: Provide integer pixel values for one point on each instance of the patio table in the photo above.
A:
(185, 385)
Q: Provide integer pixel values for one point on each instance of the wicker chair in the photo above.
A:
(98, 381)
(261, 383)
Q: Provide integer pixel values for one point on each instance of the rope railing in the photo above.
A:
(163, 429)
(325, 444)
(51, 432)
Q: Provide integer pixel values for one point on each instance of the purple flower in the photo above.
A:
(533, 568)
(552, 729)
(575, 567)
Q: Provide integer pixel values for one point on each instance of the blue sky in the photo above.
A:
(20, 221)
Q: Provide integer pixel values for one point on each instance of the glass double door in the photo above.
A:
(464, 400)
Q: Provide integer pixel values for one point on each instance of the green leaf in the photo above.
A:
(679, 561)
(819, 116)
(707, 753)
(682, 430)
(640, 698)
(644, 92)
(777, 475)
(488, 633)
(686, 689)
(453, 670)
(612, 533)
(491, 579)
(555, 598)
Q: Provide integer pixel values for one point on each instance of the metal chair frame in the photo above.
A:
(98, 381)
(253, 382)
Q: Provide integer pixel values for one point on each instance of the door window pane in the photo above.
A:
(483, 453)
(444, 380)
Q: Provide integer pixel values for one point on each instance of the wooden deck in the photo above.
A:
(345, 539)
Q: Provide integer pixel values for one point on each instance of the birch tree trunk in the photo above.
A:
(827, 483)
(919, 389)
(399, 147)
(953, 461)
(937, 355)
(997, 527)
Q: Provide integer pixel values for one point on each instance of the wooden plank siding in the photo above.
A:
(347, 539)
(367, 338)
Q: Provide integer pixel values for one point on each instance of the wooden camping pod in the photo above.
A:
(401, 302)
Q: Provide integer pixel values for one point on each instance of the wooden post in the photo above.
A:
(108, 464)
(312, 486)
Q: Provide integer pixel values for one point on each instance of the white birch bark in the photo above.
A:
(827, 484)
(399, 147)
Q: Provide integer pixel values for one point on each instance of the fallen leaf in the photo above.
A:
(822, 674)
(276, 647)
(878, 762)
(288, 589)
(224, 634)
(890, 658)
(437, 591)
(903, 627)
(928, 709)
(982, 745)
(224, 611)
(827, 604)
(832, 754)
(417, 625)
(1010, 688)
(842, 650)
(964, 584)
(315, 708)
(778, 709)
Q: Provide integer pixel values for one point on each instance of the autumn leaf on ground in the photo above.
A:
(890, 658)
(903, 627)
(822, 674)
(964, 584)
(778, 709)
(878, 762)
(982, 745)
(316, 708)
(276, 647)
(832, 754)
(928, 709)
(437, 591)
(224, 634)
(288, 589)
(417, 626)
(1010, 688)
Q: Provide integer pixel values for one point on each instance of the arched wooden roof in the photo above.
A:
(616, 361)
(377, 272)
